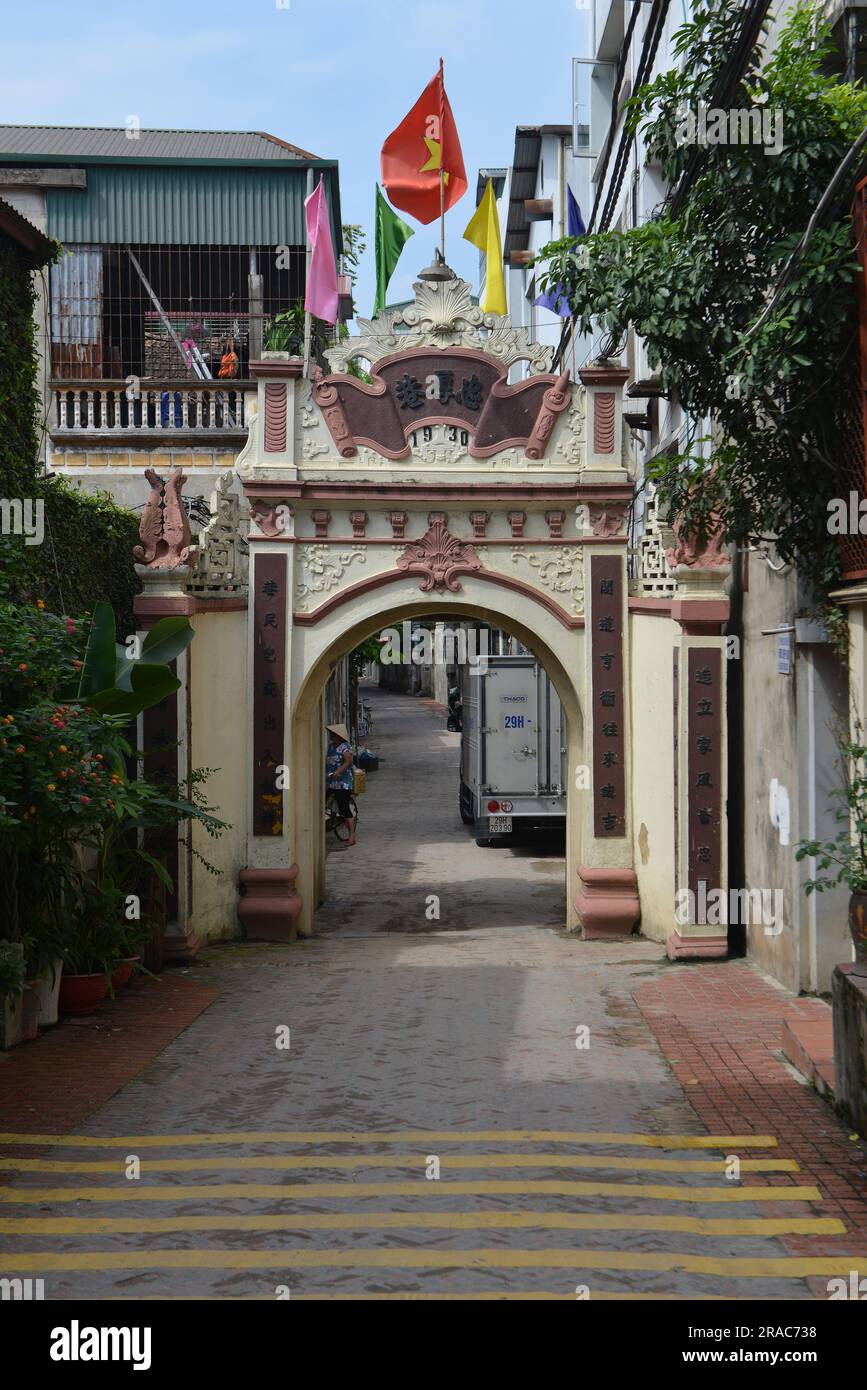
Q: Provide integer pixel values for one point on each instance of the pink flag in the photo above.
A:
(321, 298)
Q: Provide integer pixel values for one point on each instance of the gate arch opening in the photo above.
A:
(534, 627)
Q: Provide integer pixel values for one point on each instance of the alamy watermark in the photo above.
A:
(22, 516)
(745, 125)
(717, 908)
(446, 646)
(847, 516)
(22, 1290)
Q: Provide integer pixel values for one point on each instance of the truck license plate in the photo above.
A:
(499, 825)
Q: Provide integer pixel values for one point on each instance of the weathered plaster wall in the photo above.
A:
(219, 740)
(770, 751)
(822, 696)
(653, 642)
(119, 469)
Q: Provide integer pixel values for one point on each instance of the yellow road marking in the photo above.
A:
(444, 1220)
(133, 1191)
(486, 1296)
(785, 1266)
(290, 1162)
(407, 1136)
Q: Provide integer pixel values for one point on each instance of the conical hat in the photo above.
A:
(340, 730)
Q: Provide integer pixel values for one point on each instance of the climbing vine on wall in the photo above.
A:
(19, 403)
(85, 553)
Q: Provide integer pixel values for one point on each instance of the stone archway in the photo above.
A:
(439, 479)
(350, 622)
(459, 473)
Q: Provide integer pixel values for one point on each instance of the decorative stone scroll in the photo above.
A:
(442, 315)
(561, 571)
(165, 534)
(694, 554)
(439, 557)
(607, 520)
(271, 516)
(461, 387)
(321, 567)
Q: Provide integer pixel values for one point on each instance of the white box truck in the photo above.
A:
(513, 748)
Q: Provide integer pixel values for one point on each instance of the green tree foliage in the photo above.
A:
(694, 286)
(354, 247)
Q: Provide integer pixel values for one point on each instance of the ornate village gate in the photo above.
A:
(439, 486)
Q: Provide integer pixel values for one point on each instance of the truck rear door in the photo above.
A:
(511, 766)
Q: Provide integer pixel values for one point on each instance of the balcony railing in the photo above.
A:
(154, 409)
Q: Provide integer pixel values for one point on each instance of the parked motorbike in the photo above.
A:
(454, 722)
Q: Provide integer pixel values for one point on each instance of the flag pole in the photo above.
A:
(442, 167)
(308, 321)
(442, 213)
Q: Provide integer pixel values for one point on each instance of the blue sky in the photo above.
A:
(334, 78)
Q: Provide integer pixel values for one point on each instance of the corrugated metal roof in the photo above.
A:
(186, 206)
(525, 170)
(64, 143)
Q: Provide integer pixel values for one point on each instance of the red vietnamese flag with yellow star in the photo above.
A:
(425, 142)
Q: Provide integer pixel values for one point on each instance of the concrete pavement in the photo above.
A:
(432, 1128)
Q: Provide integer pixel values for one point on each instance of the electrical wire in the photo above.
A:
(612, 125)
(650, 44)
(727, 83)
(649, 47)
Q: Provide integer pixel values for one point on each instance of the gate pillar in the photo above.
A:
(701, 608)
(270, 906)
(607, 902)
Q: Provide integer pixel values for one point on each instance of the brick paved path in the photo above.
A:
(559, 1166)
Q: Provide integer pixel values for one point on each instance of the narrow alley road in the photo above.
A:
(412, 843)
(437, 1126)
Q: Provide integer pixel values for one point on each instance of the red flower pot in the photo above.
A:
(30, 1016)
(79, 994)
(123, 974)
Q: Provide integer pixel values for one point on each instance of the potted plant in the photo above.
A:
(845, 857)
(133, 939)
(73, 816)
(93, 949)
(12, 981)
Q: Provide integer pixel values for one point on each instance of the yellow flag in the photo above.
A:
(484, 232)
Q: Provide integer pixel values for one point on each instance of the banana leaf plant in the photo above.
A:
(114, 682)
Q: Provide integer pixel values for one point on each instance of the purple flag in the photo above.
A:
(554, 299)
(321, 298)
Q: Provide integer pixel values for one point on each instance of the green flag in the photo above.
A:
(392, 234)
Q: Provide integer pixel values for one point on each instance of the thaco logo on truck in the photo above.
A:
(513, 699)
